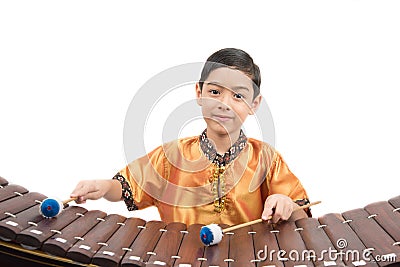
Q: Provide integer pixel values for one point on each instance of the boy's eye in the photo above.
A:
(214, 92)
(239, 96)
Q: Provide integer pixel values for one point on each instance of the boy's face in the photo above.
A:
(226, 100)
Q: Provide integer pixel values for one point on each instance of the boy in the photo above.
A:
(220, 176)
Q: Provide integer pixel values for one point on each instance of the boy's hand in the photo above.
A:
(279, 206)
(93, 189)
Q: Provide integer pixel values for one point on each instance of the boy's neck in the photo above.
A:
(223, 142)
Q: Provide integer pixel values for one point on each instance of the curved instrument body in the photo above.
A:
(368, 236)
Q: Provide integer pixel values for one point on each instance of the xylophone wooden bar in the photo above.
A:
(34, 236)
(60, 243)
(11, 191)
(84, 249)
(265, 245)
(3, 182)
(192, 250)
(217, 255)
(171, 238)
(113, 252)
(395, 202)
(18, 204)
(290, 240)
(11, 226)
(316, 240)
(386, 216)
(371, 234)
(241, 252)
(336, 228)
(138, 253)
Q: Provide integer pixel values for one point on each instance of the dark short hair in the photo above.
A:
(236, 59)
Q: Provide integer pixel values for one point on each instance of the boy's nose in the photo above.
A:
(224, 103)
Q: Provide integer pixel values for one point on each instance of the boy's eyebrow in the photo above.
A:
(235, 88)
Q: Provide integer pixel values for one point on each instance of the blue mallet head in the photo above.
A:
(211, 234)
(51, 207)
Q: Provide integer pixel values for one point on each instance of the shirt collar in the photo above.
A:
(222, 160)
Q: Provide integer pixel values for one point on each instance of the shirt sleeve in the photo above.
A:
(280, 180)
(139, 182)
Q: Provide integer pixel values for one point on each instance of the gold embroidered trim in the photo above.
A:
(218, 188)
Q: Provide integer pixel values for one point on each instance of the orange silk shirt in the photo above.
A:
(178, 179)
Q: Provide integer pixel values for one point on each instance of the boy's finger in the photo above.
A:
(78, 193)
(270, 203)
(269, 206)
(279, 210)
(266, 214)
(80, 200)
(287, 212)
(93, 195)
(82, 189)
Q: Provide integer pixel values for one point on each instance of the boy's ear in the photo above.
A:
(198, 95)
(255, 104)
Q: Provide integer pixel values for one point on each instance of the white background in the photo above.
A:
(330, 75)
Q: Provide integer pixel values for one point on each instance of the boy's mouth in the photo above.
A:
(222, 118)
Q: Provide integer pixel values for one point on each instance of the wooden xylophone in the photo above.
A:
(78, 237)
